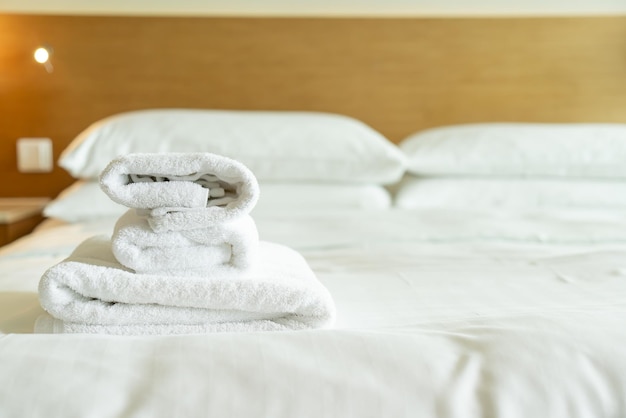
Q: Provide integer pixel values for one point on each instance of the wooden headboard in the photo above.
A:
(396, 74)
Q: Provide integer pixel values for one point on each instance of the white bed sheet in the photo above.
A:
(440, 314)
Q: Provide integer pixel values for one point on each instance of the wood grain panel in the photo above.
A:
(398, 75)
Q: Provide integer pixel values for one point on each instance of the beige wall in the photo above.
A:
(319, 7)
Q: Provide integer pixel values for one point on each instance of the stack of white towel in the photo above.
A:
(185, 258)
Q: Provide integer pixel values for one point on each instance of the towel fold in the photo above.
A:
(91, 292)
(224, 249)
(212, 187)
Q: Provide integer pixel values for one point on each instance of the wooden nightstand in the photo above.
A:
(19, 216)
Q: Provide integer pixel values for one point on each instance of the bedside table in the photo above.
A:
(19, 216)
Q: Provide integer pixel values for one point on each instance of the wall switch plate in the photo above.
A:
(34, 155)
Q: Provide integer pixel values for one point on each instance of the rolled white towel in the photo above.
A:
(212, 187)
(226, 248)
(91, 292)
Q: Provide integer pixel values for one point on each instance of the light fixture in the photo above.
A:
(42, 56)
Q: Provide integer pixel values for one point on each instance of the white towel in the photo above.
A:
(212, 187)
(225, 248)
(91, 292)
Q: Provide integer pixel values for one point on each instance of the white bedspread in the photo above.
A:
(440, 314)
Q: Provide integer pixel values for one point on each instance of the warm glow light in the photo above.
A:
(41, 55)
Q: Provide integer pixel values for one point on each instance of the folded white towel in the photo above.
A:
(225, 248)
(214, 186)
(91, 292)
(46, 324)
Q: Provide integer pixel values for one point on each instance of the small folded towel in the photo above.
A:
(90, 292)
(212, 187)
(225, 248)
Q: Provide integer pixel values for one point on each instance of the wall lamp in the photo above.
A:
(42, 55)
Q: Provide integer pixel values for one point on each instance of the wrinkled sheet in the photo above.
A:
(440, 314)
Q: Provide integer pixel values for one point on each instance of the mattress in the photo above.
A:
(439, 314)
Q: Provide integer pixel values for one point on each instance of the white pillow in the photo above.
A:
(84, 200)
(311, 197)
(523, 194)
(276, 146)
(519, 149)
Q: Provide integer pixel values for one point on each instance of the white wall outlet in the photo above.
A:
(34, 155)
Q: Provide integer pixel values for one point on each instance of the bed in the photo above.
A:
(470, 225)
(513, 306)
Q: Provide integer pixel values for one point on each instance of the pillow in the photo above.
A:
(525, 194)
(303, 197)
(85, 201)
(276, 146)
(519, 149)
